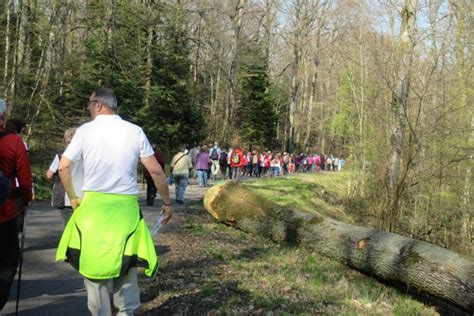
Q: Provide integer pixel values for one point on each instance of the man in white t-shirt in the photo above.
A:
(110, 149)
(60, 198)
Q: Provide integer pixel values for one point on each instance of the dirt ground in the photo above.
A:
(194, 275)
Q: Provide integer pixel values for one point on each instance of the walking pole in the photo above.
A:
(22, 245)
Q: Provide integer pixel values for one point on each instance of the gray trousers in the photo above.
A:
(66, 213)
(126, 294)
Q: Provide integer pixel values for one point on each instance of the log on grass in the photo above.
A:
(392, 257)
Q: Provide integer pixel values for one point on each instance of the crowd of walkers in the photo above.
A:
(232, 163)
(207, 162)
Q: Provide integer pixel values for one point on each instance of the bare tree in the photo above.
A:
(399, 106)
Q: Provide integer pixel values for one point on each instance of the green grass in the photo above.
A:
(322, 193)
(296, 282)
(246, 274)
(43, 187)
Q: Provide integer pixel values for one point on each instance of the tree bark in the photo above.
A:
(236, 20)
(392, 257)
(149, 63)
(312, 97)
(7, 50)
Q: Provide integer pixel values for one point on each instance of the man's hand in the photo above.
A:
(65, 167)
(32, 199)
(75, 203)
(159, 179)
(167, 213)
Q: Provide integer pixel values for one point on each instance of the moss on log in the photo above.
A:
(392, 257)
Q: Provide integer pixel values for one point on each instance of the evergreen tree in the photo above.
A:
(170, 119)
(257, 111)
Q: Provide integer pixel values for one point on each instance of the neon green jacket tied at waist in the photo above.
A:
(106, 236)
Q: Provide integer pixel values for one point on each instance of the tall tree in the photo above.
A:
(399, 107)
(169, 118)
(257, 111)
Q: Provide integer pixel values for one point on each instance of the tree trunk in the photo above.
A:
(309, 119)
(464, 58)
(16, 55)
(399, 104)
(418, 264)
(236, 19)
(197, 85)
(291, 110)
(7, 50)
(149, 64)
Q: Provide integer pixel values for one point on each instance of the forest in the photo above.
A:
(386, 84)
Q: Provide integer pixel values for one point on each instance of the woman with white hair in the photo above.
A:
(60, 198)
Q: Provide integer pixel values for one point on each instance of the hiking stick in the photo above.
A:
(22, 245)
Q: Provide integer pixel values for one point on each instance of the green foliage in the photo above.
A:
(345, 121)
(113, 54)
(257, 109)
(170, 118)
(40, 161)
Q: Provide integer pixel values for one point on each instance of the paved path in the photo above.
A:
(55, 288)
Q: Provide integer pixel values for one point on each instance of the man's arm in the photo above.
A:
(49, 174)
(65, 167)
(159, 179)
(53, 168)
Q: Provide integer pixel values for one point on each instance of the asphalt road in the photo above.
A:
(55, 288)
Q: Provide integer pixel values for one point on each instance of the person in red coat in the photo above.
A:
(236, 162)
(14, 163)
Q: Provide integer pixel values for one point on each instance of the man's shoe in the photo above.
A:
(180, 201)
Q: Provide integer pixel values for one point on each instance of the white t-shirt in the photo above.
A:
(77, 175)
(110, 149)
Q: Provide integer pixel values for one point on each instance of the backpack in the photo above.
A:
(5, 182)
(235, 157)
(5, 185)
(223, 158)
(214, 155)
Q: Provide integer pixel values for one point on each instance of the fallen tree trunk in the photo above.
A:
(392, 257)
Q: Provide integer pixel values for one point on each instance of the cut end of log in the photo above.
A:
(210, 196)
(230, 202)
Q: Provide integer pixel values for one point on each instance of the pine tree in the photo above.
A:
(170, 118)
(257, 111)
